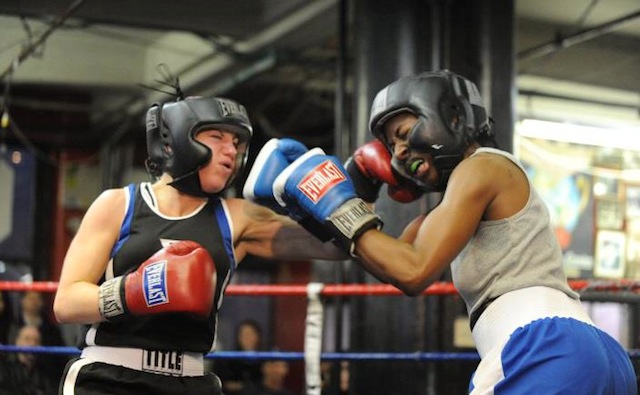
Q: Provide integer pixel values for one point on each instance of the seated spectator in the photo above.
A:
(274, 373)
(34, 311)
(21, 373)
(235, 374)
(328, 371)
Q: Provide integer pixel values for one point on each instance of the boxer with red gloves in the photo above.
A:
(180, 278)
(149, 265)
(370, 167)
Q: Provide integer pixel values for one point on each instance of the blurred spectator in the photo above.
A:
(329, 370)
(6, 318)
(33, 312)
(21, 373)
(345, 377)
(235, 374)
(274, 373)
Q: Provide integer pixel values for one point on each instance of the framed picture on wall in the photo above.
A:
(610, 254)
(609, 213)
(633, 201)
(633, 248)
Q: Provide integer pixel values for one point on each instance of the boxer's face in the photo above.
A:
(225, 148)
(417, 165)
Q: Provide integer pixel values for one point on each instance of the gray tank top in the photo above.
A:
(508, 254)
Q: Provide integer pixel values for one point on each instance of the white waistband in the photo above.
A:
(518, 308)
(170, 363)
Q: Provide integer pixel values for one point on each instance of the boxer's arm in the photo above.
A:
(76, 299)
(420, 257)
(408, 235)
(263, 233)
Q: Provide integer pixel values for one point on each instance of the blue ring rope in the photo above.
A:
(295, 356)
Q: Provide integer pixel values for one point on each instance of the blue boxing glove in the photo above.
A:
(319, 185)
(272, 159)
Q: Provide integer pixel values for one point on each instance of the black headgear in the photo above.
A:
(171, 144)
(450, 116)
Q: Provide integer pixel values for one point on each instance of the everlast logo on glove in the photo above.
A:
(322, 178)
(155, 284)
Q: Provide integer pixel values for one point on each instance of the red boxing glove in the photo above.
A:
(370, 167)
(180, 278)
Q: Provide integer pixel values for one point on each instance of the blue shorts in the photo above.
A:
(556, 356)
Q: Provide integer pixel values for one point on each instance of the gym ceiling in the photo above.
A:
(73, 71)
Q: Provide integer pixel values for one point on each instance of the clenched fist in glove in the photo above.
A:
(180, 278)
(370, 166)
(272, 159)
(319, 185)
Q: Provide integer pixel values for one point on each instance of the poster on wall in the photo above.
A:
(610, 254)
(569, 198)
(17, 204)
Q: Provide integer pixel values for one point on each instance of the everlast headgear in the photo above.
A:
(171, 144)
(450, 117)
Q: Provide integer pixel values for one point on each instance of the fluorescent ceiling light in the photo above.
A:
(628, 139)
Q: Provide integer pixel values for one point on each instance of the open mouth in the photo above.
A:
(226, 165)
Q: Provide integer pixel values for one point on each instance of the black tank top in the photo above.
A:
(143, 232)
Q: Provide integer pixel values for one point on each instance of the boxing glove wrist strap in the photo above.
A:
(350, 221)
(110, 300)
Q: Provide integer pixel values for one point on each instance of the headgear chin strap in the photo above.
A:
(450, 117)
(171, 144)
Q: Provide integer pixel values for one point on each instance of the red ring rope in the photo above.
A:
(438, 288)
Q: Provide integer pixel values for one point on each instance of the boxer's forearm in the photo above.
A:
(77, 303)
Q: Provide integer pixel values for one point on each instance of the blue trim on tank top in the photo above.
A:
(225, 230)
(125, 229)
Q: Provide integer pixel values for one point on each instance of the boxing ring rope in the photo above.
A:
(295, 355)
(312, 354)
(437, 288)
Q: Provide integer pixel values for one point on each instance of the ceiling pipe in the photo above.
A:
(217, 62)
(577, 38)
(28, 50)
(257, 67)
